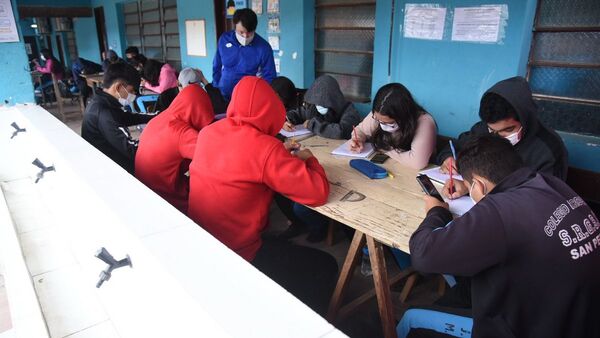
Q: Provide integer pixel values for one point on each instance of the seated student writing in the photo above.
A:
(237, 167)
(399, 127)
(508, 109)
(105, 119)
(168, 142)
(325, 111)
(158, 76)
(528, 244)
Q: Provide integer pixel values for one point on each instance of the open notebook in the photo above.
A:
(344, 150)
(461, 205)
(436, 175)
(299, 130)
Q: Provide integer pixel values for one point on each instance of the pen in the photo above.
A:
(453, 150)
(451, 188)
(354, 131)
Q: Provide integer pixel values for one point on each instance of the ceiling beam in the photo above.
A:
(44, 11)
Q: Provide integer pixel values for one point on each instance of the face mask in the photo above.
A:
(127, 100)
(471, 191)
(514, 138)
(242, 40)
(322, 110)
(42, 57)
(390, 128)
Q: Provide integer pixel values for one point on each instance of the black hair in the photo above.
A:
(494, 108)
(138, 60)
(112, 56)
(121, 71)
(151, 71)
(489, 156)
(395, 101)
(247, 17)
(286, 90)
(132, 50)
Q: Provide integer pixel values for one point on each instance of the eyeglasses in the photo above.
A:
(390, 124)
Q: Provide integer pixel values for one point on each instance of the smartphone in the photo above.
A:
(379, 158)
(428, 187)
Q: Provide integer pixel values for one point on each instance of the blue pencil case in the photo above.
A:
(368, 168)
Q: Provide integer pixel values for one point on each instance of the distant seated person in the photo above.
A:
(325, 111)
(51, 66)
(240, 52)
(190, 75)
(134, 58)
(508, 110)
(81, 66)
(530, 246)
(237, 167)
(109, 58)
(168, 143)
(105, 119)
(286, 90)
(399, 127)
(159, 76)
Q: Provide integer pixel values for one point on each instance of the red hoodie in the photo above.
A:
(238, 165)
(168, 142)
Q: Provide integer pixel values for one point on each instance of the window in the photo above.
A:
(564, 65)
(152, 26)
(344, 35)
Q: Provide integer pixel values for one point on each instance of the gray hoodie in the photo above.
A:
(339, 120)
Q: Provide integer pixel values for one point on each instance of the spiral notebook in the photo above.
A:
(344, 150)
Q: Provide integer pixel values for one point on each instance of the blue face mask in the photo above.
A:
(322, 110)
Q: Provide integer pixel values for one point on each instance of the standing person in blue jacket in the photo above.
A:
(240, 52)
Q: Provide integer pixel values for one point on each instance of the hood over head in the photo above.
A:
(254, 102)
(325, 91)
(517, 92)
(193, 107)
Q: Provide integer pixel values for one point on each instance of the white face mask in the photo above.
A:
(322, 110)
(242, 40)
(127, 101)
(42, 57)
(390, 128)
(471, 192)
(515, 137)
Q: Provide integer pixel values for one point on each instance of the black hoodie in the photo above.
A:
(540, 148)
(340, 118)
(105, 127)
(532, 248)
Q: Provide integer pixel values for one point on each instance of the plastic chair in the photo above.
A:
(144, 101)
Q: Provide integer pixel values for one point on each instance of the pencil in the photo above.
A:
(451, 188)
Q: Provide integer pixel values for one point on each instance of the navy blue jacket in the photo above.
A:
(234, 61)
(532, 248)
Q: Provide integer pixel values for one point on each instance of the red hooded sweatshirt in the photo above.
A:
(168, 142)
(238, 165)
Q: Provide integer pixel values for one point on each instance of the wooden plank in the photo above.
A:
(345, 275)
(382, 288)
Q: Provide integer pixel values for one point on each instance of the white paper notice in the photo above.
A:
(274, 42)
(195, 37)
(8, 28)
(277, 65)
(424, 22)
(476, 24)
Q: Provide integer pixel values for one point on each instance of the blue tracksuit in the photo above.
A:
(234, 61)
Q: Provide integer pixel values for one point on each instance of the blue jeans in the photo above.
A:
(442, 322)
(314, 221)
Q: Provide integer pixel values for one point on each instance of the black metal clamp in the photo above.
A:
(43, 168)
(107, 258)
(17, 129)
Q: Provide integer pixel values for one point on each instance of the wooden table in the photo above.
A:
(383, 212)
(93, 80)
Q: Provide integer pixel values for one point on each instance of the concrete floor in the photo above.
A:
(364, 322)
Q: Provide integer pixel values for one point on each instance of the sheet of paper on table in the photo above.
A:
(436, 175)
(344, 150)
(299, 130)
(461, 205)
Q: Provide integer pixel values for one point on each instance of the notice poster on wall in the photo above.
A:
(257, 6)
(477, 24)
(272, 6)
(274, 42)
(232, 5)
(273, 25)
(8, 28)
(424, 22)
(277, 65)
(195, 35)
